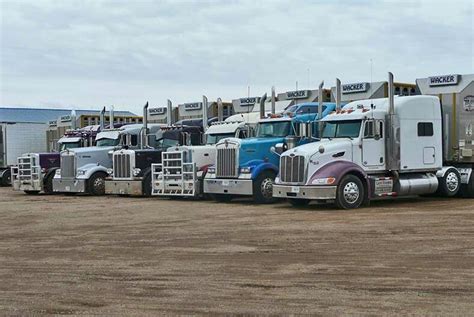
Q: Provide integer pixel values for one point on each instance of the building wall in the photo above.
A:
(24, 138)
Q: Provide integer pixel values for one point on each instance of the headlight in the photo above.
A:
(211, 170)
(136, 171)
(323, 181)
(58, 172)
(245, 170)
(110, 171)
(81, 172)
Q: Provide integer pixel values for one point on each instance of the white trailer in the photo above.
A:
(379, 148)
(16, 139)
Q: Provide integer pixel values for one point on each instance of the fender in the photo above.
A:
(91, 169)
(262, 167)
(442, 171)
(338, 169)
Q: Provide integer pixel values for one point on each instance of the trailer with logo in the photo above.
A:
(386, 147)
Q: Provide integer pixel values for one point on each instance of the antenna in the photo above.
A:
(248, 99)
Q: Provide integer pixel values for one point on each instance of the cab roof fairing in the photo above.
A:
(224, 128)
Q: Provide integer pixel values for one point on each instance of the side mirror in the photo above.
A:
(278, 148)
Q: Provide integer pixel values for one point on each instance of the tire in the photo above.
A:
(97, 184)
(299, 202)
(146, 185)
(222, 198)
(48, 184)
(31, 192)
(6, 179)
(350, 192)
(263, 188)
(467, 190)
(449, 184)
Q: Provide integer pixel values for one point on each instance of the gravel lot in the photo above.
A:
(135, 256)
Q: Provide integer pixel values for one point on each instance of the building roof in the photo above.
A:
(43, 115)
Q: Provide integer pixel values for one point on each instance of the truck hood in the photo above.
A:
(258, 149)
(49, 160)
(91, 149)
(331, 147)
(202, 155)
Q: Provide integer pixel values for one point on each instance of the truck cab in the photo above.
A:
(83, 170)
(371, 149)
(34, 172)
(131, 168)
(248, 167)
(183, 168)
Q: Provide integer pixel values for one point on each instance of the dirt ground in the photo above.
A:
(136, 256)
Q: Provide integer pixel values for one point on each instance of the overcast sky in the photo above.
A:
(87, 54)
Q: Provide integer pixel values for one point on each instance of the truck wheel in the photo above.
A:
(263, 188)
(6, 179)
(350, 192)
(449, 184)
(467, 190)
(146, 185)
(97, 184)
(299, 202)
(48, 184)
(222, 198)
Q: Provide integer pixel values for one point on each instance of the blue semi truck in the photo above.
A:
(248, 167)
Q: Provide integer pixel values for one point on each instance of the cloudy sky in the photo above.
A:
(87, 54)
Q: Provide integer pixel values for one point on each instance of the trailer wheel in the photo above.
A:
(222, 198)
(146, 185)
(449, 184)
(6, 179)
(350, 192)
(97, 184)
(299, 202)
(263, 188)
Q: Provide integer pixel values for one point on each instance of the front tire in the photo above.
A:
(31, 192)
(6, 179)
(48, 184)
(449, 184)
(350, 192)
(299, 202)
(97, 184)
(146, 185)
(263, 188)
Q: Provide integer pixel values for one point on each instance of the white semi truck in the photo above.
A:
(380, 148)
(182, 168)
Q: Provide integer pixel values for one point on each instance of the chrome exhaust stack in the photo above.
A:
(144, 142)
(220, 110)
(111, 117)
(204, 113)
(73, 120)
(273, 100)
(320, 108)
(102, 119)
(169, 113)
(338, 94)
(262, 106)
(393, 147)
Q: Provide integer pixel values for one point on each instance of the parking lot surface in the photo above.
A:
(134, 256)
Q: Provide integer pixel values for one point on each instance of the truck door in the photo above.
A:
(373, 145)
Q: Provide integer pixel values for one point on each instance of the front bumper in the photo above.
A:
(35, 185)
(69, 185)
(305, 192)
(124, 187)
(228, 186)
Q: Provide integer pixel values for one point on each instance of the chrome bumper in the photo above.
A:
(305, 192)
(124, 187)
(33, 185)
(228, 186)
(69, 185)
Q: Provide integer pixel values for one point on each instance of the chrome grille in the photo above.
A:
(68, 168)
(122, 166)
(227, 163)
(292, 169)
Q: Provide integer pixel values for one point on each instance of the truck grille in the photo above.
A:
(292, 169)
(68, 168)
(122, 166)
(227, 163)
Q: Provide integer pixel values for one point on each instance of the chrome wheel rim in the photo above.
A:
(351, 192)
(99, 183)
(267, 188)
(452, 181)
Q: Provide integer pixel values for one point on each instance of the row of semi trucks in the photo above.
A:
(348, 153)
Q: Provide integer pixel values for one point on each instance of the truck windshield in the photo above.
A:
(166, 143)
(342, 129)
(214, 138)
(107, 142)
(69, 145)
(273, 129)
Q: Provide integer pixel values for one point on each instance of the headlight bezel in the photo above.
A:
(324, 181)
